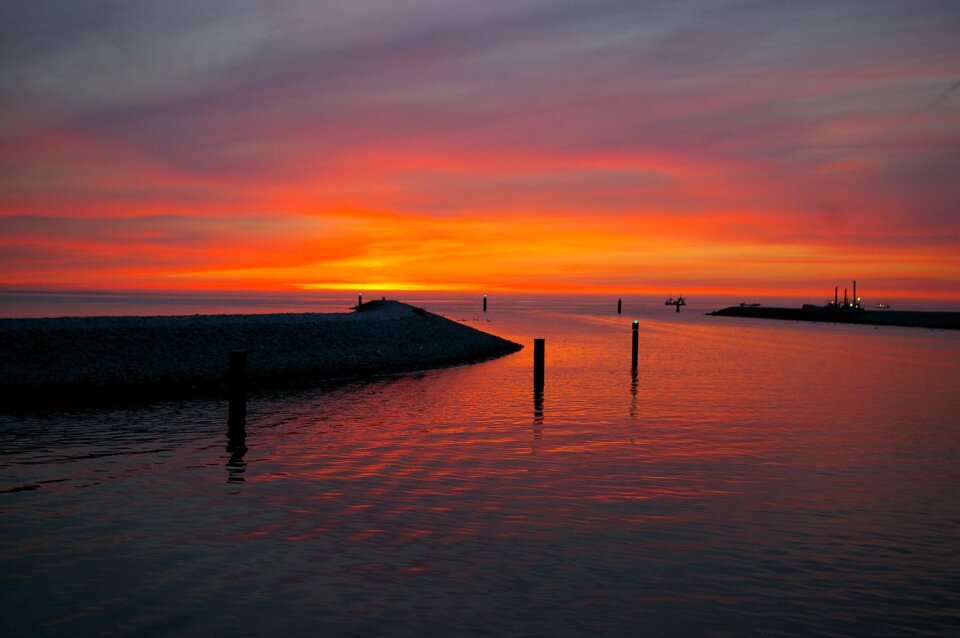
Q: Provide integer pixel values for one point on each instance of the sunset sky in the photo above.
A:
(605, 145)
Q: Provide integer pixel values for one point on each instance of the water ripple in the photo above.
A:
(734, 486)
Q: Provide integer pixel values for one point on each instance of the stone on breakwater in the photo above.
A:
(75, 358)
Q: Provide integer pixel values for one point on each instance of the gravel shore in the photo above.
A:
(84, 359)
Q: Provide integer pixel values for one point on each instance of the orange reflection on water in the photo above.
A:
(716, 411)
(744, 466)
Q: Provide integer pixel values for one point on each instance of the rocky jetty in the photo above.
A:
(906, 318)
(90, 359)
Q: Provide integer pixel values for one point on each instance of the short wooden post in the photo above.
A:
(678, 306)
(619, 306)
(360, 299)
(484, 303)
(237, 390)
(636, 345)
(538, 352)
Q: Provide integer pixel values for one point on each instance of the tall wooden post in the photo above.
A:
(619, 306)
(636, 345)
(538, 356)
(237, 390)
(484, 303)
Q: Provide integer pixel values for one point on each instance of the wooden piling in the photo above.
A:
(678, 306)
(360, 299)
(619, 306)
(237, 391)
(538, 356)
(636, 346)
(484, 303)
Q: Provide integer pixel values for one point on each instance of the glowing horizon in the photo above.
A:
(667, 147)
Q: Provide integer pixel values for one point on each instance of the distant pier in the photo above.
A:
(906, 318)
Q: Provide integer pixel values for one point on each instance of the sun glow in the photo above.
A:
(384, 286)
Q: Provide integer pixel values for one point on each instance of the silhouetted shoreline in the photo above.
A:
(91, 360)
(905, 318)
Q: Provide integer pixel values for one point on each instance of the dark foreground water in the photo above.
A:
(754, 477)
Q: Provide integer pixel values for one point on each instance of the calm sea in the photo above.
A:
(753, 477)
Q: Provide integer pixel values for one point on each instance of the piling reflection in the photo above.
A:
(236, 443)
(537, 414)
(237, 448)
(634, 382)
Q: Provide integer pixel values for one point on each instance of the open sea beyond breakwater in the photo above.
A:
(751, 478)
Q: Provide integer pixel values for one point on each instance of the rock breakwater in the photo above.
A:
(84, 359)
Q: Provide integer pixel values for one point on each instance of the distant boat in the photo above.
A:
(744, 304)
(882, 306)
(679, 301)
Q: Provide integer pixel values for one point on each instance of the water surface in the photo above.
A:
(752, 477)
